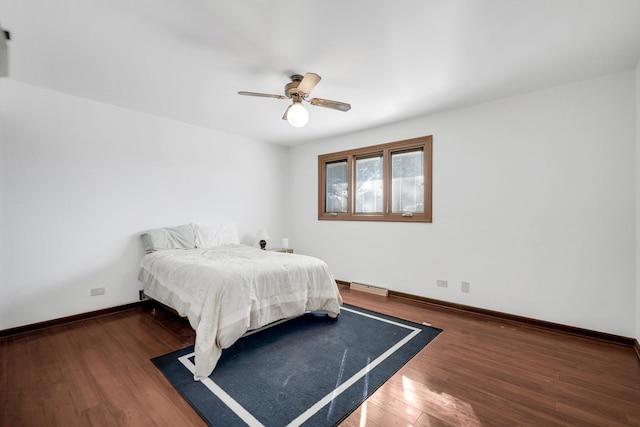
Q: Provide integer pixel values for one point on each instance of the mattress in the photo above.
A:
(228, 290)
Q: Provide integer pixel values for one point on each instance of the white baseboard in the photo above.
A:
(369, 288)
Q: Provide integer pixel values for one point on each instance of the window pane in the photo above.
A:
(407, 182)
(336, 187)
(369, 185)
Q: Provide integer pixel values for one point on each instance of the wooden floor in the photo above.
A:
(479, 371)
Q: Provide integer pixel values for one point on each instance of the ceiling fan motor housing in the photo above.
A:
(291, 89)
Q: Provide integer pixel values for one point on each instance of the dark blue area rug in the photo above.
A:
(312, 370)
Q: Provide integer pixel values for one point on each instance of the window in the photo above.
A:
(388, 182)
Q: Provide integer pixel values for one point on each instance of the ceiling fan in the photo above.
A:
(298, 90)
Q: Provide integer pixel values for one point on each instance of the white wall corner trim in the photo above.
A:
(637, 198)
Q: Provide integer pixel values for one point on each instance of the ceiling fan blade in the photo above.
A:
(308, 83)
(284, 117)
(263, 95)
(335, 105)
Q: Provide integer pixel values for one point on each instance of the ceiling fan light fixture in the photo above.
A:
(297, 115)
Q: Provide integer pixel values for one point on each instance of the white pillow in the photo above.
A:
(180, 237)
(210, 236)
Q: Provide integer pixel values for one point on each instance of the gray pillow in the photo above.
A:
(180, 237)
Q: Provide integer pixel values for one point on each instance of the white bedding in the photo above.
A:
(228, 290)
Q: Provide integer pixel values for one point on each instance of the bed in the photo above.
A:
(226, 289)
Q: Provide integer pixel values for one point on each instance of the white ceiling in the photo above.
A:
(392, 60)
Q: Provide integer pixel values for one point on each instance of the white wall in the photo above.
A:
(80, 180)
(534, 205)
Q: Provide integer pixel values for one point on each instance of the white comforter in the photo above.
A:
(228, 290)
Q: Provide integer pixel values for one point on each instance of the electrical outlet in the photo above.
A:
(465, 287)
(443, 283)
(97, 291)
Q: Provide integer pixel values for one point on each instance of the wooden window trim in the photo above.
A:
(425, 143)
